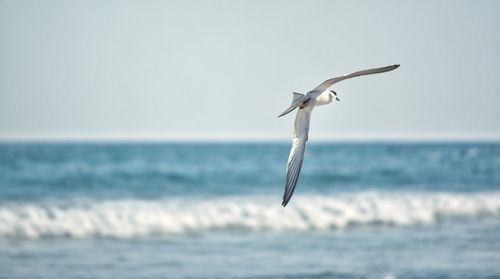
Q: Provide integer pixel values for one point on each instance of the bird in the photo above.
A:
(321, 95)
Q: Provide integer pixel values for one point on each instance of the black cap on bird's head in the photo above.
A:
(335, 94)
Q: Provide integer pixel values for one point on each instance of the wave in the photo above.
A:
(142, 218)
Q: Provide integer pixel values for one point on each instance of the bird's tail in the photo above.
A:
(296, 101)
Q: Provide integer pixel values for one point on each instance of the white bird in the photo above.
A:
(306, 103)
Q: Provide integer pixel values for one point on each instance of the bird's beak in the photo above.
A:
(337, 99)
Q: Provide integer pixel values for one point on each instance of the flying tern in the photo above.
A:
(320, 95)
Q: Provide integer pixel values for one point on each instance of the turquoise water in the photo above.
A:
(184, 210)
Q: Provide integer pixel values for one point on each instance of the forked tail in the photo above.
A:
(297, 100)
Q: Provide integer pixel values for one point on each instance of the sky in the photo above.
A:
(223, 70)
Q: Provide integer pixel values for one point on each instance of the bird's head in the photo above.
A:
(334, 95)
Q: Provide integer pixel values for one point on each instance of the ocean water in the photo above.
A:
(191, 210)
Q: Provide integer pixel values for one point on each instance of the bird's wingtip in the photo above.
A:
(284, 203)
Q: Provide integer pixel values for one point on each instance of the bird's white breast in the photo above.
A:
(324, 98)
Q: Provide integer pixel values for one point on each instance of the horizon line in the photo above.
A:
(76, 138)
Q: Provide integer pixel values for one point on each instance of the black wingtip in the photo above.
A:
(285, 202)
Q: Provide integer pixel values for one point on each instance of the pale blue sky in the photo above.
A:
(226, 69)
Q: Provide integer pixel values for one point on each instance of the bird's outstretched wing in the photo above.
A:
(326, 84)
(296, 157)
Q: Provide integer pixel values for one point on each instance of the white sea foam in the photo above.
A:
(134, 218)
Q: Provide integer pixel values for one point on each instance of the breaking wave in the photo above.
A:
(142, 218)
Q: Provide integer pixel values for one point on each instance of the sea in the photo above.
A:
(213, 210)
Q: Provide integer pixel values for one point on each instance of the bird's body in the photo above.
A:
(321, 98)
(306, 103)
